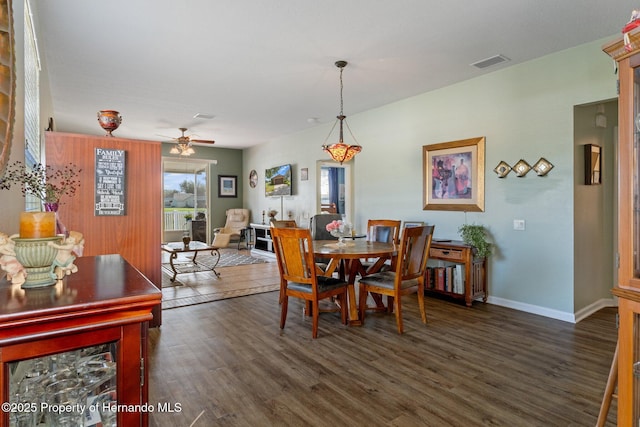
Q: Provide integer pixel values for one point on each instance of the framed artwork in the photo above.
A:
(227, 186)
(592, 164)
(453, 175)
(413, 224)
(304, 174)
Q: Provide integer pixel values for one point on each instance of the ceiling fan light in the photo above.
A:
(174, 150)
(190, 151)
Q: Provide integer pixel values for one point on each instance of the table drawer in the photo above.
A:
(450, 254)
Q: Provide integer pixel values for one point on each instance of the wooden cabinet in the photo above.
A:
(628, 286)
(472, 274)
(107, 302)
(262, 238)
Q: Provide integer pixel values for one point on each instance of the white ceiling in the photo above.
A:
(265, 68)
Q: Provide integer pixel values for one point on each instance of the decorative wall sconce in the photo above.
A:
(521, 168)
(502, 169)
(542, 166)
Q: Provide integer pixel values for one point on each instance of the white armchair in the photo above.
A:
(233, 230)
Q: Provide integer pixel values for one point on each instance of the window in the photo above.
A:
(33, 144)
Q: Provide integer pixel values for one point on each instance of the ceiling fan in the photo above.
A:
(184, 144)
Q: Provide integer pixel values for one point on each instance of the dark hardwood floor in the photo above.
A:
(228, 364)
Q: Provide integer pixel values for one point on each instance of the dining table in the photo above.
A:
(346, 260)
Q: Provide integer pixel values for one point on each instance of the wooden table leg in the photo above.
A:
(354, 319)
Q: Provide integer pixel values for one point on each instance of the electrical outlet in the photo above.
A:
(518, 224)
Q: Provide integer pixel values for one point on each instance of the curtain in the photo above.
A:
(336, 189)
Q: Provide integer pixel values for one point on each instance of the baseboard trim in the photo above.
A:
(555, 314)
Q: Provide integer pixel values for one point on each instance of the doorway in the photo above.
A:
(595, 205)
(186, 206)
(334, 182)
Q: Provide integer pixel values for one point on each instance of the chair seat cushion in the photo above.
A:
(324, 284)
(386, 279)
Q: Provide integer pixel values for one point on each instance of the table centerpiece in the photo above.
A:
(43, 241)
(339, 229)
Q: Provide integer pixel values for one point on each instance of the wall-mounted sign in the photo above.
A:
(110, 191)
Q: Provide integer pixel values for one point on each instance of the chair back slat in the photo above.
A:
(284, 223)
(414, 252)
(294, 251)
(383, 230)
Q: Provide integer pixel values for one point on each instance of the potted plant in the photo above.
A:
(47, 183)
(476, 236)
(188, 217)
(44, 182)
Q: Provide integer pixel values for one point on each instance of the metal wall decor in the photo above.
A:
(541, 167)
(521, 168)
(502, 169)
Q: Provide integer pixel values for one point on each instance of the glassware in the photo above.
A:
(69, 394)
(341, 232)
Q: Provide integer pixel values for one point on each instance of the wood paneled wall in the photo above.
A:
(137, 235)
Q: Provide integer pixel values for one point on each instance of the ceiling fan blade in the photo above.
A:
(165, 136)
(203, 141)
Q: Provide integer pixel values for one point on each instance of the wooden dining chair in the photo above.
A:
(406, 278)
(383, 230)
(298, 277)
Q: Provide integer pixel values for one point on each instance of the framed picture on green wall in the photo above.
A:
(227, 186)
(453, 175)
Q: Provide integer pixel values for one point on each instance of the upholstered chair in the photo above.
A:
(234, 228)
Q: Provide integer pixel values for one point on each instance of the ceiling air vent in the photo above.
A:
(488, 62)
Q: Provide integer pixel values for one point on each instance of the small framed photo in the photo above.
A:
(227, 186)
(408, 224)
(304, 174)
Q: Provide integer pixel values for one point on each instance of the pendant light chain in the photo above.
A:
(340, 151)
(341, 88)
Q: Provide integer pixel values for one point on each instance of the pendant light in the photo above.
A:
(341, 152)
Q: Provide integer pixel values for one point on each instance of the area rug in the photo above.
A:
(202, 286)
(205, 262)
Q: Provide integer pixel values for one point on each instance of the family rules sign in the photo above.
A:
(110, 190)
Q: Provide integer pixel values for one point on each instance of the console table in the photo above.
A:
(262, 238)
(475, 270)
